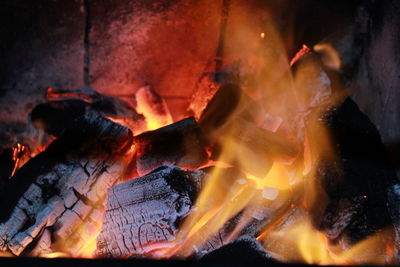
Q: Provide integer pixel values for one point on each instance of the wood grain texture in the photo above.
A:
(144, 213)
(68, 190)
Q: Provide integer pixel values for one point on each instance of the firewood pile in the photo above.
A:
(109, 179)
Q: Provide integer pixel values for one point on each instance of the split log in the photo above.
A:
(181, 144)
(60, 191)
(144, 213)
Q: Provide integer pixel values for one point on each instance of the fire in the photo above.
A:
(153, 107)
(298, 99)
(54, 255)
(312, 247)
(276, 173)
(19, 157)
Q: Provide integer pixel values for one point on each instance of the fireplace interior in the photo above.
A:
(168, 132)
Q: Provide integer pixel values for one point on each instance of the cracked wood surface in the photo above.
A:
(61, 208)
(144, 213)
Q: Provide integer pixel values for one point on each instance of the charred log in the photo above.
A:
(64, 106)
(220, 108)
(181, 144)
(357, 183)
(63, 187)
(144, 213)
(243, 250)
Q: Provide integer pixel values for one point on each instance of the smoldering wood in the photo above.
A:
(181, 144)
(206, 87)
(64, 106)
(262, 141)
(243, 250)
(220, 108)
(256, 148)
(339, 215)
(360, 177)
(18, 141)
(285, 251)
(253, 220)
(63, 187)
(144, 213)
(232, 114)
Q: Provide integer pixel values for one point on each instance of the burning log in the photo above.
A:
(357, 190)
(144, 213)
(243, 250)
(262, 141)
(181, 144)
(220, 108)
(232, 114)
(62, 188)
(64, 106)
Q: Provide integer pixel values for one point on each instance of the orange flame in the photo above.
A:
(312, 247)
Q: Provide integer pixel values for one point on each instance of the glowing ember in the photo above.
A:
(19, 153)
(303, 51)
(265, 153)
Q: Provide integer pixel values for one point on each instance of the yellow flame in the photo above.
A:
(312, 247)
(278, 177)
(153, 107)
(56, 255)
(89, 248)
(6, 254)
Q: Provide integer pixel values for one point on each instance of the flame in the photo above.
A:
(90, 247)
(258, 179)
(4, 254)
(83, 238)
(153, 107)
(312, 247)
(298, 98)
(54, 255)
(223, 197)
